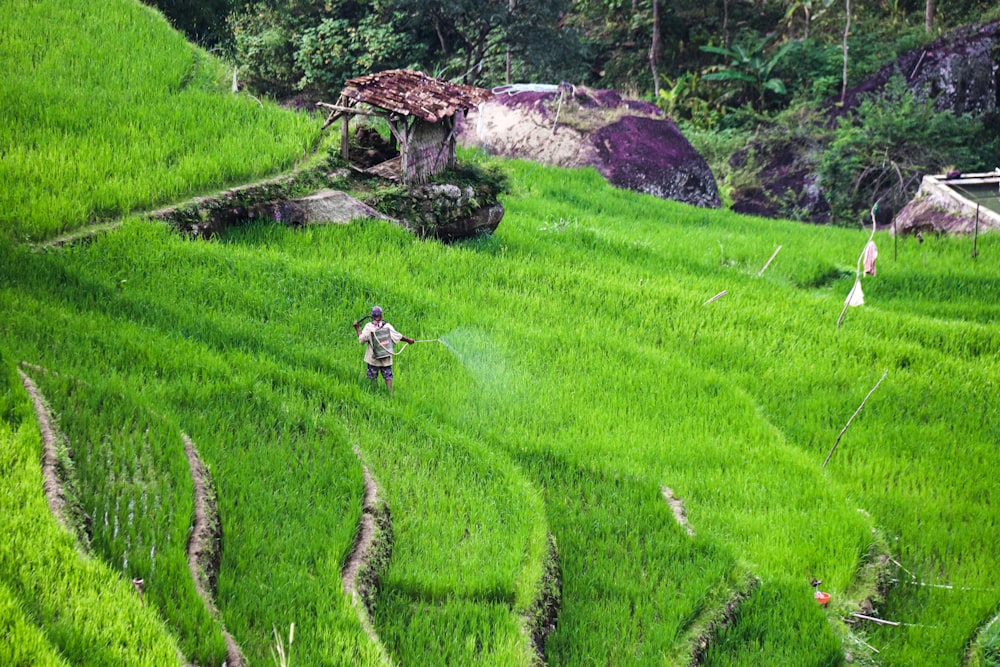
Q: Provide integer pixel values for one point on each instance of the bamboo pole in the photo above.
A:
(715, 298)
(843, 430)
(874, 620)
(775, 254)
(975, 238)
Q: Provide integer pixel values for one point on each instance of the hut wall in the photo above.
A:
(428, 150)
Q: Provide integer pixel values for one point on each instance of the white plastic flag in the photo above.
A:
(856, 297)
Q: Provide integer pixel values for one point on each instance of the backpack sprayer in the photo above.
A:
(382, 343)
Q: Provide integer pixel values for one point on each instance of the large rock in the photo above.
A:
(959, 71)
(205, 217)
(940, 206)
(630, 143)
(449, 212)
(326, 206)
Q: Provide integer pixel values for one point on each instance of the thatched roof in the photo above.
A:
(411, 93)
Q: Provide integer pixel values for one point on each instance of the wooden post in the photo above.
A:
(775, 254)
(975, 239)
(345, 148)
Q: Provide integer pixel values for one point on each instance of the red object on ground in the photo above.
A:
(822, 597)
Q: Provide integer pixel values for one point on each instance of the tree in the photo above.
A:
(203, 21)
(847, 31)
(810, 10)
(497, 39)
(287, 46)
(749, 69)
(654, 49)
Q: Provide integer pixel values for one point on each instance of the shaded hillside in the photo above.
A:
(934, 108)
(108, 109)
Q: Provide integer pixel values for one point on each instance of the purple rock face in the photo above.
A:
(641, 151)
(959, 71)
(651, 155)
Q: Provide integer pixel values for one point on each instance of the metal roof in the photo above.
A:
(411, 93)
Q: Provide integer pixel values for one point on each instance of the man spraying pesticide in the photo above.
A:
(379, 337)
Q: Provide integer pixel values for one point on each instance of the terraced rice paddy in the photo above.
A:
(582, 372)
(601, 348)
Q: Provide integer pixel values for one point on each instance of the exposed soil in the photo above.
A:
(51, 483)
(726, 619)
(204, 544)
(370, 554)
(543, 617)
(677, 506)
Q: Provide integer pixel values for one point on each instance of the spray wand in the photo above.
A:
(403, 346)
(361, 320)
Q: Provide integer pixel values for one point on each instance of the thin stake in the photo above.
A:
(862, 641)
(874, 620)
(843, 430)
(715, 298)
(761, 272)
(975, 239)
(895, 239)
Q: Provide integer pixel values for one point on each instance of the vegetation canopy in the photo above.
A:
(619, 405)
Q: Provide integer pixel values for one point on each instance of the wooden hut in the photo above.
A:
(420, 111)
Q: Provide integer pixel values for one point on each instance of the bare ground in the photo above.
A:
(52, 485)
(203, 548)
(677, 507)
(370, 554)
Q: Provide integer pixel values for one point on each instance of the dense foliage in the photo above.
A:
(880, 153)
(604, 43)
(733, 65)
(575, 365)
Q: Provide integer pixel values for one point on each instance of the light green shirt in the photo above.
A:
(365, 338)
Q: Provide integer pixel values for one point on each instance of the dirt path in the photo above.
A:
(677, 507)
(51, 483)
(204, 544)
(724, 620)
(203, 547)
(369, 557)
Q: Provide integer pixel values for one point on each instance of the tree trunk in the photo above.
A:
(847, 31)
(725, 23)
(510, 10)
(929, 16)
(654, 49)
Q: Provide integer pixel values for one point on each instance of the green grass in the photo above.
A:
(582, 373)
(108, 110)
(57, 605)
(579, 371)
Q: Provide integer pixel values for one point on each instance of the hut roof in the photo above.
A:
(411, 93)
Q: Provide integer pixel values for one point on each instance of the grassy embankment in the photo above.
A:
(582, 373)
(108, 110)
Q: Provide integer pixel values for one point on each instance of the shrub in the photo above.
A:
(880, 153)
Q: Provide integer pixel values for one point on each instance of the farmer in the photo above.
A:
(378, 337)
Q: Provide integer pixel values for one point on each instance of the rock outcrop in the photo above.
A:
(629, 142)
(960, 71)
(939, 207)
(205, 217)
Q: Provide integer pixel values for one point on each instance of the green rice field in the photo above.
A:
(613, 410)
